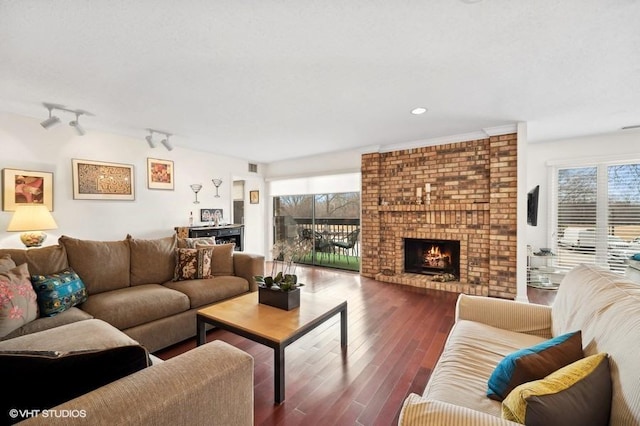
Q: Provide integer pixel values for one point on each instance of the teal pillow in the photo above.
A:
(534, 363)
(58, 292)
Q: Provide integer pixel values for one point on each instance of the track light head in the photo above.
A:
(52, 120)
(150, 141)
(79, 130)
(76, 125)
(167, 144)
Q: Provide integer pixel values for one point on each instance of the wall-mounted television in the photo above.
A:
(532, 206)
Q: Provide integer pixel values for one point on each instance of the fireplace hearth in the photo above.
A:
(432, 256)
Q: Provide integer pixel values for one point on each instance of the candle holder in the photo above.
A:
(196, 187)
(217, 183)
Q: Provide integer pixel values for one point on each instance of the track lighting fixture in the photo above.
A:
(53, 120)
(165, 141)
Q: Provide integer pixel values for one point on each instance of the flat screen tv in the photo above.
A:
(532, 206)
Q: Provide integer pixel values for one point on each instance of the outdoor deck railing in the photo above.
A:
(325, 230)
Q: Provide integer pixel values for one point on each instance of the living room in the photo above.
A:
(570, 107)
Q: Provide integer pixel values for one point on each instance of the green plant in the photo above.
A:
(285, 254)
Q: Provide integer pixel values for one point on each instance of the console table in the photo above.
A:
(222, 234)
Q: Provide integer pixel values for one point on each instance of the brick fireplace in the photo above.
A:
(468, 195)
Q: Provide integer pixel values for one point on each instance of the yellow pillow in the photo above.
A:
(577, 394)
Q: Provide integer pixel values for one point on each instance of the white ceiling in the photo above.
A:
(267, 80)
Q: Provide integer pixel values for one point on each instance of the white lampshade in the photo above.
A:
(32, 218)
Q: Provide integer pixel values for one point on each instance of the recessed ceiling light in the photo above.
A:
(418, 111)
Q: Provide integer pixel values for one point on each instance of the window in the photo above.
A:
(597, 214)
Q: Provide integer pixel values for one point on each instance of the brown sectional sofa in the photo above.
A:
(132, 299)
(130, 286)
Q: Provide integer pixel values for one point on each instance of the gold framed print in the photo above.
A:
(98, 180)
(254, 197)
(160, 174)
(26, 187)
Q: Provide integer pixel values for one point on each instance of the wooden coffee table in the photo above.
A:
(271, 326)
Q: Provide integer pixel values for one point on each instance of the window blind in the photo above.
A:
(597, 215)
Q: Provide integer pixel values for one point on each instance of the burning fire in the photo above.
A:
(435, 258)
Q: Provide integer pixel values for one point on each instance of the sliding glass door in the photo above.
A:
(330, 221)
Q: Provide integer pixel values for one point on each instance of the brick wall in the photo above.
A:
(472, 199)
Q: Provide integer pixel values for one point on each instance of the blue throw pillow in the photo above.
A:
(534, 363)
(58, 292)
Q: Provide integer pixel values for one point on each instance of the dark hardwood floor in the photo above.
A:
(396, 335)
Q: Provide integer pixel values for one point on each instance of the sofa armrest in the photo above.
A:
(211, 384)
(247, 266)
(506, 314)
(427, 412)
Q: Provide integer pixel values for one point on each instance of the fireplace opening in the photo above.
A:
(432, 257)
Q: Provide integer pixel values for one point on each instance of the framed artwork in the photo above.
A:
(210, 215)
(26, 187)
(254, 197)
(97, 180)
(160, 174)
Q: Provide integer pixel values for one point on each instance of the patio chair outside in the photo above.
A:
(349, 244)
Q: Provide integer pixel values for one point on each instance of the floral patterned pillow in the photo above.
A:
(193, 263)
(18, 304)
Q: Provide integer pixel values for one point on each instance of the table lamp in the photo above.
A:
(32, 219)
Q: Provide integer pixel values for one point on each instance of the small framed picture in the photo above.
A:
(160, 174)
(210, 215)
(254, 197)
(98, 180)
(26, 187)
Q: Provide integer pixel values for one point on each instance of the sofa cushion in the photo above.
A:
(211, 290)
(63, 376)
(470, 355)
(102, 265)
(577, 394)
(17, 299)
(132, 306)
(534, 363)
(77, 336)
(605, 307)
(44, 323)
(152, 261)
(193, 263)
(58, 292)
(222, 261)
(40, 261)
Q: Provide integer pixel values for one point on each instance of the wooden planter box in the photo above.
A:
(286, 300)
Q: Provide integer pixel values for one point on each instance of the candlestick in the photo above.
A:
(427, 187)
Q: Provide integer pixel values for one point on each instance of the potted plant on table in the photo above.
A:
(281, 289)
